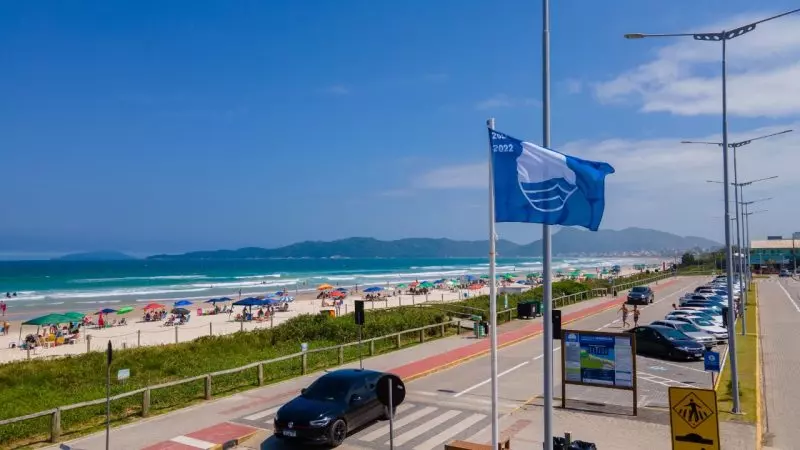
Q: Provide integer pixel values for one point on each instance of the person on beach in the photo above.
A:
(624, 311)
(6, 327)
(3, 307)
(636, 312)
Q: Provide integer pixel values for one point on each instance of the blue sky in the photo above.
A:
(152, 126)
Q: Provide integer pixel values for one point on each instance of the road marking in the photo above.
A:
(427, 426)
(656, 379)
(671, 364)
(262, 414)
(476, 386)
(192, 442)
(403, 421)
(789, 297)
(440, 438)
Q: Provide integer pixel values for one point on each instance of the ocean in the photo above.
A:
(86, 286)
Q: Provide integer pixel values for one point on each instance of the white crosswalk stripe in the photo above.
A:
(425, 427)
(398, 423)
(451, 431)
(262, 414)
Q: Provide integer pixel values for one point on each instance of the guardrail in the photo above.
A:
(147, 392)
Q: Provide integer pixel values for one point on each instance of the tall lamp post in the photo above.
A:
(746, 223)
(724, 36)
(737, 194)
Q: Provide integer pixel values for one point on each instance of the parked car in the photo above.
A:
(785, 273)
(721, 334)
(333, 405)
(696, 314)
(697, 335)
(666, 342)
(691, 297)
(640, 295)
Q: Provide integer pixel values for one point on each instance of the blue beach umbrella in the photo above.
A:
(183, 303)
(105, 311)
(341, 289)
(212, 300)
(373, 289)
(471, 278)
(249, 301)
(224, 299)
(286, 299)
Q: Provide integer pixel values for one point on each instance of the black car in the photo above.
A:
(640, 295)
(666, 343)
(335, 404)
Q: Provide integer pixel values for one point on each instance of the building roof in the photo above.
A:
(774, 244)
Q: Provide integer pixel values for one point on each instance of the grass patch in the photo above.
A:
(746, 351)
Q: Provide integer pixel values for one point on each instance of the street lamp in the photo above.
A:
(737, 196)
(724, 36)
(746, 215)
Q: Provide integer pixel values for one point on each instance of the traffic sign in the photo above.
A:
(693, 418)
(711, 361)
(397, 387)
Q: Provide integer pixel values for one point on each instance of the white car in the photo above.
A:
(696, 314)
(719, 333)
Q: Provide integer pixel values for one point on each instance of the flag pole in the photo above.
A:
(547, 294)
(493, 299)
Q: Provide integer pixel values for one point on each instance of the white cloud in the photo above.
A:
(683, 77)
(573, 86)
(504, 101)
(661, 183)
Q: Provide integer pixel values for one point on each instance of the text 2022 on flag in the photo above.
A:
(534, 184)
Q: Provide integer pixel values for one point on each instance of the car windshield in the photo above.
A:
(687, 328)
(327, 388)
(703, 322)
(639, 289)
(673, 335)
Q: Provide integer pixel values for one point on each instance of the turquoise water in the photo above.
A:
(68, 285)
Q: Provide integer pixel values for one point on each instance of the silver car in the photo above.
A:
(697, 335)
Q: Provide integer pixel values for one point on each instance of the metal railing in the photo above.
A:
(147, 392)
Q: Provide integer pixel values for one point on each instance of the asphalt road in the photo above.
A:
(779, 300)
(455, 403)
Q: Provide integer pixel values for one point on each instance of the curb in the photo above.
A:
(602, 308)
(759, 398)
(222, 436)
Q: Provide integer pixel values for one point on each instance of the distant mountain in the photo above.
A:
(96, 256)
(569, 241)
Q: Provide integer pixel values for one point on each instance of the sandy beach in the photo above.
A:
(140, 333)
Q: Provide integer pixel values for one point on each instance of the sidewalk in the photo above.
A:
(409, 363)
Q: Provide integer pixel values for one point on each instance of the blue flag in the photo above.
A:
(533, 184)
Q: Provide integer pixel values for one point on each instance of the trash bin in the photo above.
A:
(537, 308)
(525, 310)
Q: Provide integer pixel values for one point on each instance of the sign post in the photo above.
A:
(693, 418)
(109, 354)
(711, 363)
(359, 318)
(599, 359)
(391, 392)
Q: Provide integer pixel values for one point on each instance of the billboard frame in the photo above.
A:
(634, 385)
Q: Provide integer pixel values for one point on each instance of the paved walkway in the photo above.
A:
(779, 325)
(167, 430)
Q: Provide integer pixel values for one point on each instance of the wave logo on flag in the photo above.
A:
(534, 184)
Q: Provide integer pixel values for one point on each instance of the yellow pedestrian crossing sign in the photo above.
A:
(693, 419)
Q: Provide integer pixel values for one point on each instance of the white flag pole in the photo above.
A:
(547, 300)
(493, 299)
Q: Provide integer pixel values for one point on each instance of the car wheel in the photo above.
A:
(385, 415)
(337, 432)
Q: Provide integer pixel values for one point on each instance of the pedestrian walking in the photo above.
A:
(624, 311)
(636, 312)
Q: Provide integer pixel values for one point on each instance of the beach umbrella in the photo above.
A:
(48, 319)
(125, 310)
(484, 277)
(249, 301)
(324, 287)
(402, 285)
(342, 289)
(373, 289)
(105, 311)
(224, 299)
(74, 315)
(426, 284)
(212, 300)
(183, 311)
(183, 303)
(439, 281)
(154, 306)
(589, 275)
(286, 299)
(474, 287)
(471, 277)
(337, 294)
(282, 293)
